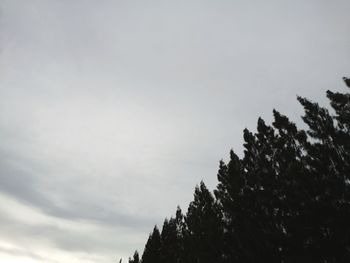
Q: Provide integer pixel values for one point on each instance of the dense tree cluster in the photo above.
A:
(287, 199)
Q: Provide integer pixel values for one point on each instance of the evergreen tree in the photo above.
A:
(229, 194)
(204, 228)
(169, 241)
(151, 253)
(135, 259)
(329, 208)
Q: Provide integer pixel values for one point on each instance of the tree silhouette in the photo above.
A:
(204, 228)
(151, 253)
(286, 200)
(135, 259)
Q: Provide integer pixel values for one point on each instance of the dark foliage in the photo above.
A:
(151, 254)
(204, 228)
(135, 259)
(287, 199)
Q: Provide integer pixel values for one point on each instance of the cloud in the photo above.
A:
(15, 252)
(26, 185)
(25, 226)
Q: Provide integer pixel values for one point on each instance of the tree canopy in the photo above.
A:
(286, 200)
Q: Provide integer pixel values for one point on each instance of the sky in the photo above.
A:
(112, 111)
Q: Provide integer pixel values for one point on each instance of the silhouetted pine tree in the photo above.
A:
(135, 259)
(204, 228)
(229, 193)
(180, 231)
(151, 253)
(291, 185)
(169, 242)
(287, 200)
(328, 238)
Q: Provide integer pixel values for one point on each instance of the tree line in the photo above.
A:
(286, 200)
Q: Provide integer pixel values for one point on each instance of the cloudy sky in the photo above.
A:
(112, 111)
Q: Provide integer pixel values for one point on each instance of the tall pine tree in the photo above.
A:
(151, 253)
(204, 228)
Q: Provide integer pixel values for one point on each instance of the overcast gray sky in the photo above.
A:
(112, 111)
